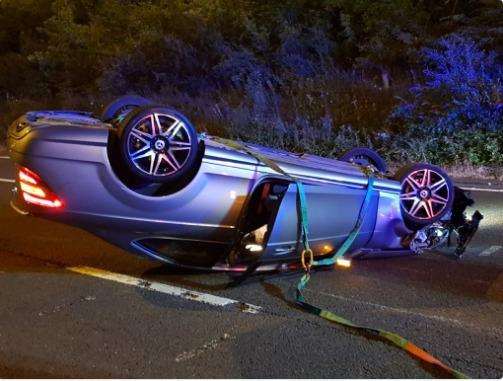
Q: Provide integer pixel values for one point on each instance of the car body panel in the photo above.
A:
(332, 214)
(69, 151)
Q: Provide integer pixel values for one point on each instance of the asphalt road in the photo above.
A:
(57, 323)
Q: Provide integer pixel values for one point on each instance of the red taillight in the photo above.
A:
(35, 191)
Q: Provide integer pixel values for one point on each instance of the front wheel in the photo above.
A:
(158, 144)
(427, 194)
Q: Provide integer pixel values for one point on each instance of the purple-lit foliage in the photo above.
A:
(462, 89)
(318, 76)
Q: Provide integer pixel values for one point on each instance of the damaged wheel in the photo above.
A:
(158, 144)
(427, 194)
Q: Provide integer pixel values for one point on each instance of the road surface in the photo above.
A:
(57, 322)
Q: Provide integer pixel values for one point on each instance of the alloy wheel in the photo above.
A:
(425, 194)
(159, 144)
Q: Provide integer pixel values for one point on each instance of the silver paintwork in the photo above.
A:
(69, 152)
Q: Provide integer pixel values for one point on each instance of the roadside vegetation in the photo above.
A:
(416, 80)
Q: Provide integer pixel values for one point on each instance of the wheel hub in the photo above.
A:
(424, 194)
(160, 144)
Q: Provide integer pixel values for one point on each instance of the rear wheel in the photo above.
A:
(427, 194)
(365, 156)
(158, 144)
(120, 107)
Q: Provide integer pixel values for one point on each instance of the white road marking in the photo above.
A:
(481, 189)
(10, 181)
(443, 319)
(210, 345)
(393, 309)
(5, 157)
(165, 288)
(490, 250)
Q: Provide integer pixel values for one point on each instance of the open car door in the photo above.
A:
(332, 211)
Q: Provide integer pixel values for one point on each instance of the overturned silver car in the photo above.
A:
(141, 178)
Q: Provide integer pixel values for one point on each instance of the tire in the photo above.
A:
(158, 144)
(122, 106)
(365, 156)
(427, 194)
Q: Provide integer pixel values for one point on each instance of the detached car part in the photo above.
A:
(148, 183)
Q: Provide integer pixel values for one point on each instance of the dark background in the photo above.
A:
(417, 80)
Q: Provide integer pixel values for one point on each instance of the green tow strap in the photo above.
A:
(354, 233)
(391, 337)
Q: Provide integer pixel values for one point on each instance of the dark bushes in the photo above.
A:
(307, 75)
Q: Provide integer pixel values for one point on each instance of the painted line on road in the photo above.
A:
(481, 189)
(206, 347)
(490, 250)
(403, 311)
(165, 288)
(10, 181)
(391, 309)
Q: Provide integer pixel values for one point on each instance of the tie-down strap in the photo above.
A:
(391, 337)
